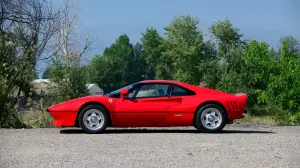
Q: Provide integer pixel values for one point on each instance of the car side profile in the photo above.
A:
(152, 103)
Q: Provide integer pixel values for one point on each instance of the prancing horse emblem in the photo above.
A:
(110, 100)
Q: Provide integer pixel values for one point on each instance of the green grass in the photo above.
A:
(270, 120)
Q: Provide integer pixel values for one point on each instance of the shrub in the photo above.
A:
(38, 119)
(286, 118)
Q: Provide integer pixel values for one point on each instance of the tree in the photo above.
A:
(140, 62)
(257, 62)
(229, 54)
(48, 72)
(209, 66)
(69, 81)
(231, 77)
(122, 54)
(226, 35)
(184, 46)
(283, 88)
(153, 46)
(103, 71)
(67, 71)
(26, 29)
(228, 39)
(121, 64)
(292, 43)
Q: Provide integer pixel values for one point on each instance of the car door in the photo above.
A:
(181, 113)
(146, 105)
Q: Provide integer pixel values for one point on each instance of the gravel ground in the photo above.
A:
(239, 145)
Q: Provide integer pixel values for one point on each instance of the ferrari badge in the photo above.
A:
(110, 100)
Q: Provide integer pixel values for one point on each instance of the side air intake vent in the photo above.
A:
(232, 106)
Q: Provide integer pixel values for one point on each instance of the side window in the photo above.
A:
(153, 90)
(180, 91)
(131, 92)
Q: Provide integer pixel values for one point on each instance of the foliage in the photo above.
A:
(152, 44)
(67, 74)
(16, 73)
(226, 35)
(68, 79)
(227, 63)
(184, 46)
(39, 120)
(48, 73)
(121, 64)
(283, 85)
(26, 29)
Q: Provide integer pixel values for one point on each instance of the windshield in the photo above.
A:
(117, 92)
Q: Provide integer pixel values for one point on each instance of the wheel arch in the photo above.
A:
(87, 104)
(209, 102)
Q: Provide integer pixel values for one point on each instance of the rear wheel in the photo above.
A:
(210, 118)
(93, 119)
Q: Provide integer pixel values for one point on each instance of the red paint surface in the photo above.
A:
(64, 119)
(152, 112)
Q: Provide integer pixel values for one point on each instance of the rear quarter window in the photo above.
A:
(180, 91)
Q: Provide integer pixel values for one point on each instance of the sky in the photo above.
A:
(262, 20)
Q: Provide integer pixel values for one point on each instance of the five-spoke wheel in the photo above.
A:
(210, 118)
(93, 119)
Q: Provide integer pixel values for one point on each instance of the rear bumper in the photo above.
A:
(232, 115)
(63, 119)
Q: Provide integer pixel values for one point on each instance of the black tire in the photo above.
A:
(102, 110)
(201, 127)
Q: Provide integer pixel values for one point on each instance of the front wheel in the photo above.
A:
(93, 119)
(210, 118)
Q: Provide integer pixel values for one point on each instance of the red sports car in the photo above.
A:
(152, 103)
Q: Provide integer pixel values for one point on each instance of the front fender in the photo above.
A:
(65, 113)
(75, 104)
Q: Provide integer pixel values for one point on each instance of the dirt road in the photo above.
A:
(239, 145)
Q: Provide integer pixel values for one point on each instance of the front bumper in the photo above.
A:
(63, 119)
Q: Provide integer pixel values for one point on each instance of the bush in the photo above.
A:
(286, 118)
(282, 117)
(267, 110)
(12, 121)
(38, 119)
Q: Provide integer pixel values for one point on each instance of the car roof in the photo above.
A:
(182, 84)
(158, 81)
(168, 82)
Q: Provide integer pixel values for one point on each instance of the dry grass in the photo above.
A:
(270, 120)
(37, 119)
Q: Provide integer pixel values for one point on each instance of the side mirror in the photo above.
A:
(123, 93)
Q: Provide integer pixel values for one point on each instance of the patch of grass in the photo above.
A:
(37, 119)
(271, 115)
(270, 120)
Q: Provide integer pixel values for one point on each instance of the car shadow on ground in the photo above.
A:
(145, 131)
